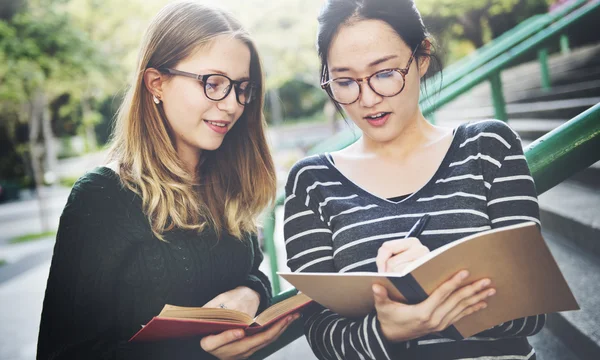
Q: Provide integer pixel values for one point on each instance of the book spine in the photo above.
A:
(414, 294)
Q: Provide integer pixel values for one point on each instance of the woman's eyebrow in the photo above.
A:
(215, 71)
(371, 64)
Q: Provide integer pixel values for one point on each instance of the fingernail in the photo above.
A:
(464, 274)
(239, 334)
(485, 283)
(483, 306)
(375, 289)
(491, 292)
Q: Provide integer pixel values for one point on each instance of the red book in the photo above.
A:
(181, 322)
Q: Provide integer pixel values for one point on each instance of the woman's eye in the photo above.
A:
(345, 83)
(385, 74)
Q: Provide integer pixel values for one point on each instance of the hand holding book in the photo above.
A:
(449, 303)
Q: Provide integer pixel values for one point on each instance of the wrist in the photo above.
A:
(249, 293)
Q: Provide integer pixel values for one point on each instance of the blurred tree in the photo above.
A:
(41, 52)
(477, 21)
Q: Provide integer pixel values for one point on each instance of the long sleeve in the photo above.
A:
(512, 199)
(257, 280)
(79, 317)
(309, 249)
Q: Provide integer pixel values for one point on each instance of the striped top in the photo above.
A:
(333, 225)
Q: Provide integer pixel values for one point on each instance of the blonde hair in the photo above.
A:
(237, 181)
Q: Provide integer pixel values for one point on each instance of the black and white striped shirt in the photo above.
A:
(333, 225)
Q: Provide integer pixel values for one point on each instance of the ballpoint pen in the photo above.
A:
(418, 227)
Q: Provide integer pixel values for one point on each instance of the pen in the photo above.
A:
(418, 227)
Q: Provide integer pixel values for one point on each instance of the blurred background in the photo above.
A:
(64, 66)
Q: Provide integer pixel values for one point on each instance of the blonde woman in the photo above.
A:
(172, 218)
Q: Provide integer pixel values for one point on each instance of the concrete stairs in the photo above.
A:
(570, 212)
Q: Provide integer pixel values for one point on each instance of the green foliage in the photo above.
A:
(68, 181)
(32, 237)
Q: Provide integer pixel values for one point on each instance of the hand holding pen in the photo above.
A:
(395, 255)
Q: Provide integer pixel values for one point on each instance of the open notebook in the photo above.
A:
(515, 258)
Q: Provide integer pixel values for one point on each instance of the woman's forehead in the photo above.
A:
(225, 54)
(361, 43)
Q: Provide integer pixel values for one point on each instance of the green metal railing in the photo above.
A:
(552, 158)
(501, 45)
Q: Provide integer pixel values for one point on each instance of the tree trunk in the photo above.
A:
(49, 141)
(90, 132)
(471, 23)
(38, 107)
(276, 112)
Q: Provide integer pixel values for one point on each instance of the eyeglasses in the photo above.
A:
(386, 82)
(218, 86)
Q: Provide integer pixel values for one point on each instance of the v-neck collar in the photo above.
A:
(328, 160)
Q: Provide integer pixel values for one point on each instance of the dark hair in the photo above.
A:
(401, 15)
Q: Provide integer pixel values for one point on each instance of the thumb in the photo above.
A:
(212, 342)
(380, 295)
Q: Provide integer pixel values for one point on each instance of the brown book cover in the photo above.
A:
(180, 322)
(516, 258)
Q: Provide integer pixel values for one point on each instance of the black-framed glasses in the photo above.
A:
(218, 86)
(386, 82)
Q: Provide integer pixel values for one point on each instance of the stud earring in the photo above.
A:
(156, 100)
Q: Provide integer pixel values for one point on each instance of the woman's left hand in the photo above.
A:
(234, 345)
(241, 298)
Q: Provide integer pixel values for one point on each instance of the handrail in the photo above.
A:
(476, 77)
(499, 46)
(552, 158)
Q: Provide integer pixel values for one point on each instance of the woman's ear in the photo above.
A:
(154, 80)
(425, 60)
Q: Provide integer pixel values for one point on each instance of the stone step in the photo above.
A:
(578, 330)
(559, 92)
(572, 210)
(557, 109)
(589, 176)
(549, 347)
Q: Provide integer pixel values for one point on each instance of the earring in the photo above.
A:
(156, 100)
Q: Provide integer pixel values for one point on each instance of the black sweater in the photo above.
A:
(110, 275)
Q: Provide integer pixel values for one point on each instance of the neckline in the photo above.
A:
(443, 165)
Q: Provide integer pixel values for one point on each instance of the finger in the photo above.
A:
(460, 300)
(469, 302)
(468, 311)
(400, 245)
(381, 297)
(263, 337)
(383, 255)
(443, 291)
(212, 342)
(398, 262)
(272, 339)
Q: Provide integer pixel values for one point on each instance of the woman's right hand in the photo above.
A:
(235, 345)
(449, 303)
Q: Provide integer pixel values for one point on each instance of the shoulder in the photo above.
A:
(95, 191)
(308, 165)
(308, 168)
(490, 128)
